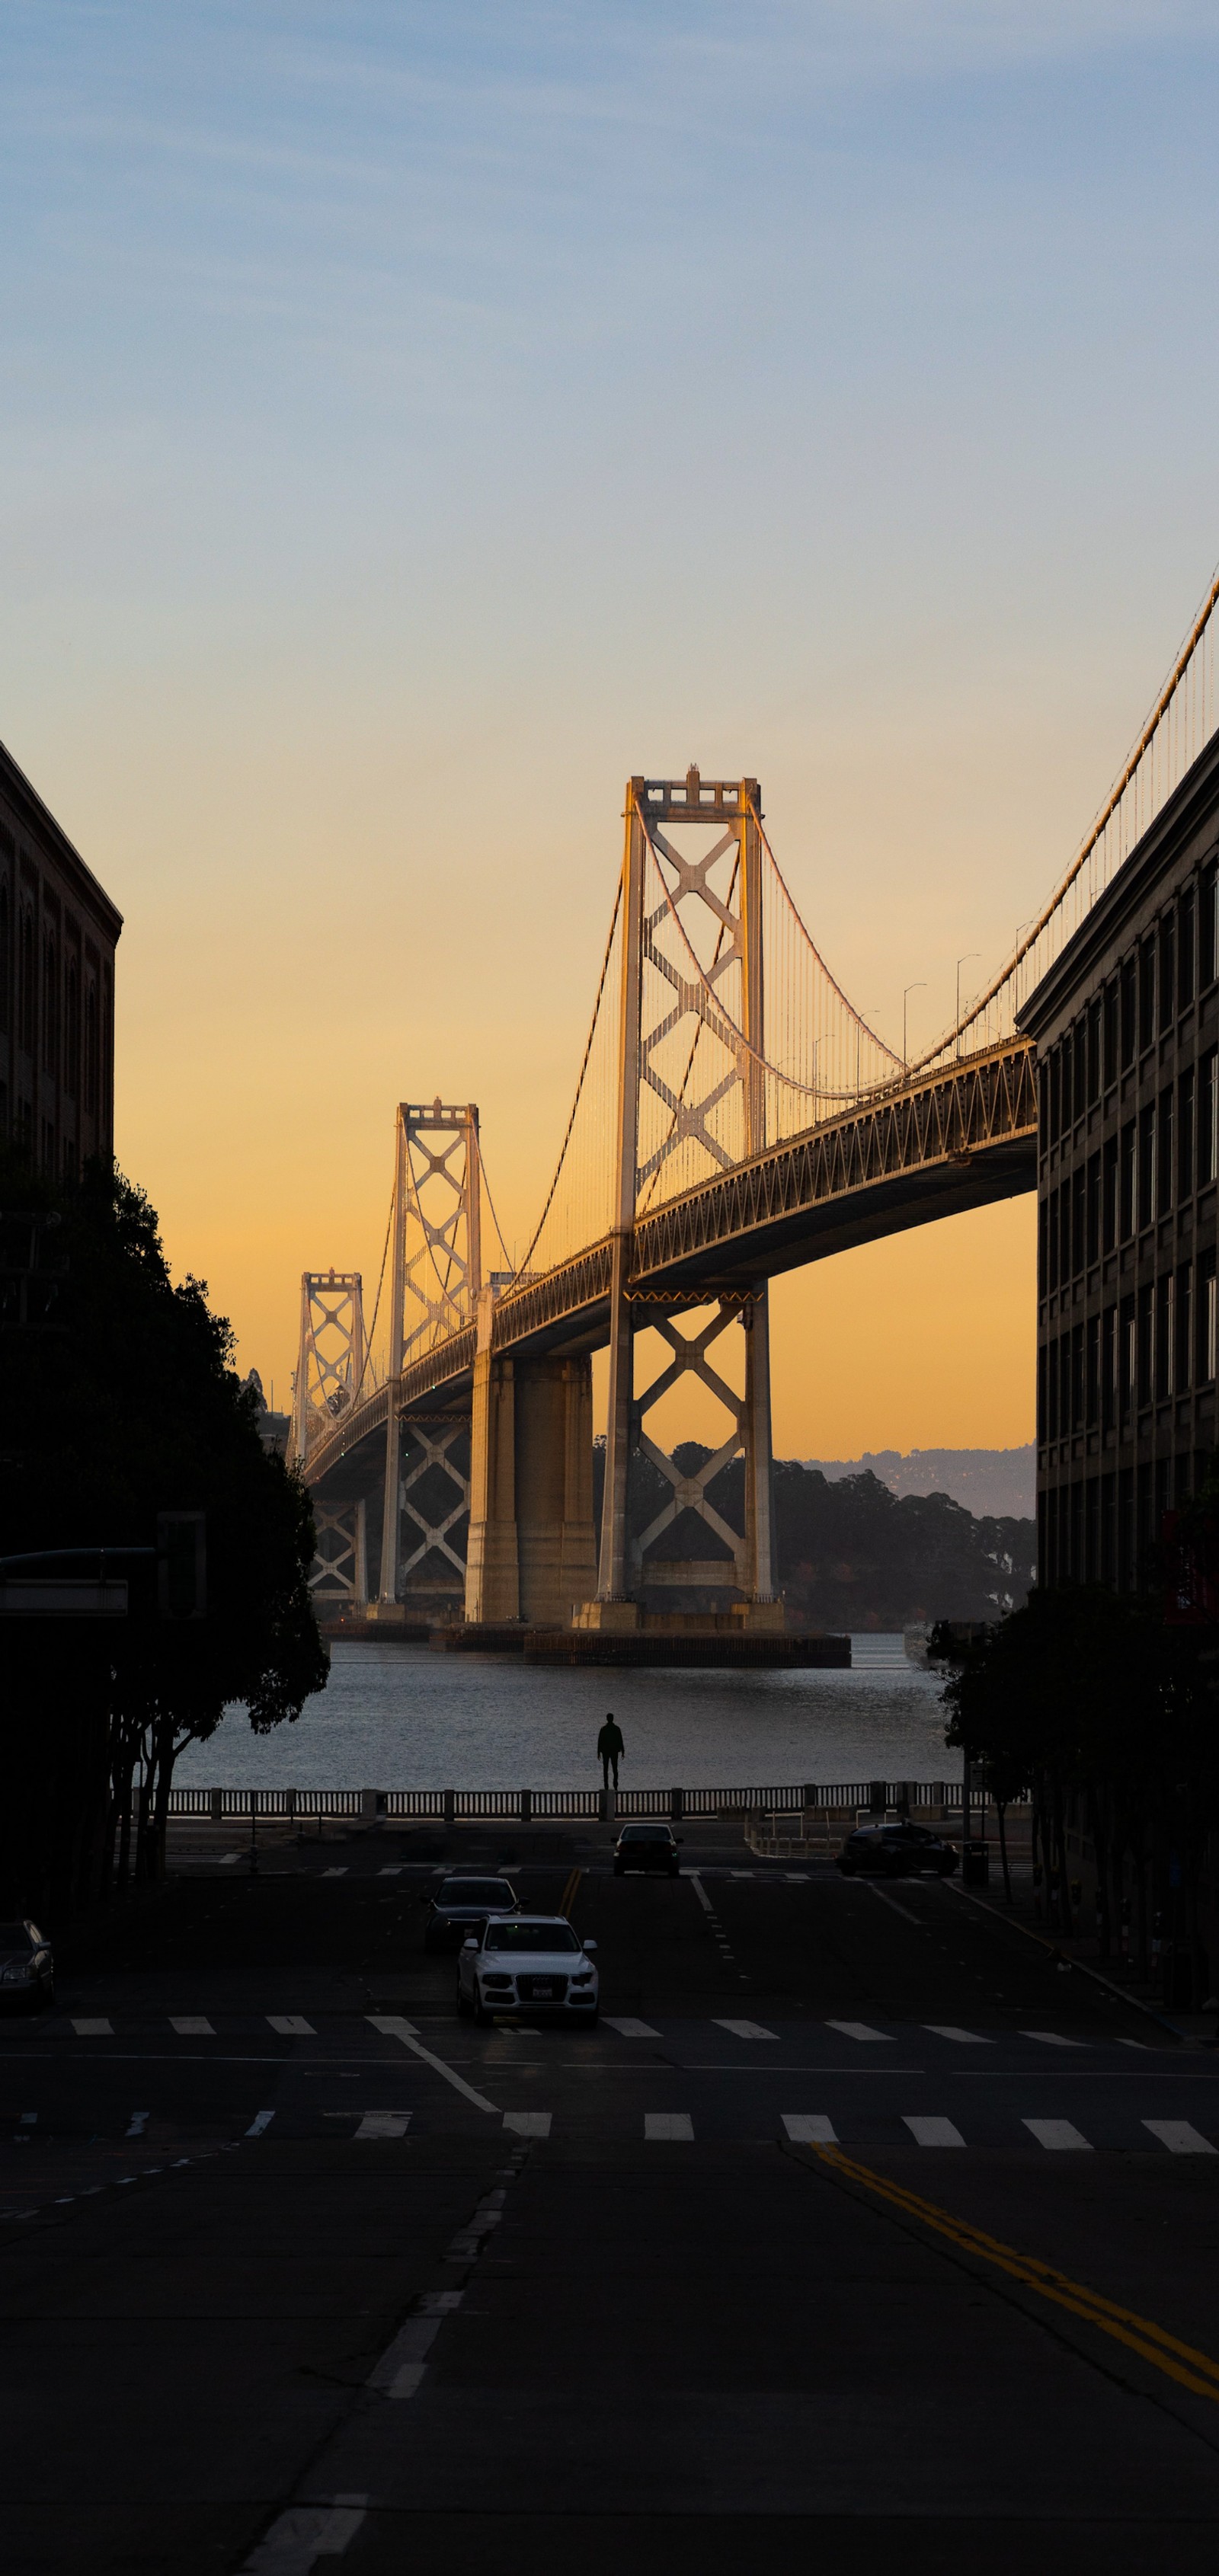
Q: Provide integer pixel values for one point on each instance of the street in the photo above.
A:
(857, 2225)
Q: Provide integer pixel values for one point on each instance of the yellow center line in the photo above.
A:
(1180, 2361)
(568, 1897)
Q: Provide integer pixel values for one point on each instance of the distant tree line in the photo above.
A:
(848, 1552)
(121, 1401)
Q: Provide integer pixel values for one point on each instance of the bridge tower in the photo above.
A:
(434, 1290)
(669, 892)
(331, 1361)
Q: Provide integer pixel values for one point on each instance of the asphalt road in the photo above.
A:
(857, 2229)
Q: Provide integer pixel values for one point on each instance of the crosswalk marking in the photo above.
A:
(139, 2122)
(191, 2025)
(528, 2124)
(97, 2029)
(1180, 2137)
(857, 2030)
(809, 2129)
(668, 2124)
(928, 2130)
(335, 1873)
(261, 2120)
(796, 1877)
(628, 2029)
(966, 2038)
(1058, 2134)
(745, 2029)
(384, 2124)
(391, 1869)
(742, 1873)
(1053, 2039)
(292, 2025)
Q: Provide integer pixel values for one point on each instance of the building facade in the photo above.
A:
(1126, 1025)
(58, 933)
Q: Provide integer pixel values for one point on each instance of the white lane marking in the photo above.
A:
(305, 2533)
(191, 2025)
(1180, 2137)
(392, 2026)
(93, 2029)
(700, 1891)
(796, 1877)
(292, 2025)
(894, 1907)
(742, 1873)
(401, 2366)
(261, 2120)
(528, 2124)
(335, 1873)
(440, 2303)
(1053, 2039)
(391, 1869)
(139, 2122)
(227, 1859)
(809, 2129)
(628, 2029)
(383, 2124)
(858, 2030)
(1059, 2135)
(668, 2124)
(1130, 2043)
(965, 2038)
(929, 2131)
(744, 2029)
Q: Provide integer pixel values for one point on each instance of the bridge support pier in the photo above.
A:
(531, 1553)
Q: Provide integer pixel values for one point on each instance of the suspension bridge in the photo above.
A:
(734, 1117)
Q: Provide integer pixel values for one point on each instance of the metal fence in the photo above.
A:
(529, 1806)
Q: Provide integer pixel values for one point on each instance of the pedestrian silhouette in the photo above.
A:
(609, 1746)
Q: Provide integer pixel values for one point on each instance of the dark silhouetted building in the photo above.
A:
(1126, 1025)
(58, 932)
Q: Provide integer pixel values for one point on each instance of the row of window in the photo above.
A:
(1158, 1343)
(1176, 960)
(1101, 1528)
(1156, 1162)
(70, 1032)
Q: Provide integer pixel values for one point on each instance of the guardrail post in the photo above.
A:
(526, 1806)
(217, 1805)
(450, 1801)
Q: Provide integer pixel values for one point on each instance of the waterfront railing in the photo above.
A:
(535, 1806)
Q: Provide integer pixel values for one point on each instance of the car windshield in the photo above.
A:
(530, 1936)
(476, 1891)
(14, 1936)
(645, 1833)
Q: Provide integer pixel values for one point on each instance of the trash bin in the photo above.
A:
(975, 1862)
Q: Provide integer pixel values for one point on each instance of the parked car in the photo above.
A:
(528, 1962)
(27, 1967)
(646, 1847)
(896, 1850)
(461, 1905)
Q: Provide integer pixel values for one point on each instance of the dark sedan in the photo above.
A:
(27, 1968)
(646, 1847)
(896, 1850)
(462, 1905)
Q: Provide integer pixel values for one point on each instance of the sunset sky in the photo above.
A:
(415, 419)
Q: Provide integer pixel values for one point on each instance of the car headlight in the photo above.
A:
(17, 1972)
(584, 1979)
(496, 1985)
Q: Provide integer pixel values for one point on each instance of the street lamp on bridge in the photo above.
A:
(910, 988)
(963, 961)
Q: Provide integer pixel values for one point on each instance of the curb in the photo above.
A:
(1078, 1965)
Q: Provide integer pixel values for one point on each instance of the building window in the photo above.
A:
(1147, 994)
(1185, 950)
(71, 1051)
(1129, 1173)
(1109, 1196)
(50, 1003)
(1168, 970)
(1164, 1338)
(1164, 1170)
(1078, 1218)
(1079, 1070)
(91, 1049)
(1208, 1120)
(1208, 1319)
(6, 951)
(1094, 1053)
(1093, 1249)
(26, 1001)
(1185, 1135)
(1092, 1373)
(1127, 1358)
(1146, 1328)
(1184, 1330)
(1108, 1368)
(1109, 1047)
(1129, 1014)
(1147, 1164)
(1208, 927)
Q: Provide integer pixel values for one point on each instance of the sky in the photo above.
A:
(414, 421)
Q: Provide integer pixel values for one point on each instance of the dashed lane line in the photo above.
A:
(305, 2533)
(261, 2120)
(964, 2038)
(1053, 2039)
(745, 2029)
(96, 2029)
(1060, 2136)
(629, 2029)
(392, 2026)
(1180, 2137)
(809, 2128)
(191, 2025)
(381, 2124)
(674, 2126)
(528, 2124)
(929, 2131)
(861, 2030)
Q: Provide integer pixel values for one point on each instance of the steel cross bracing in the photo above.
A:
(436, 1442)
(331, 1354)
(958, 1137)
(434, 1283)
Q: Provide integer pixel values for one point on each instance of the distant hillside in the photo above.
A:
(849, 1552)
(997, 1483)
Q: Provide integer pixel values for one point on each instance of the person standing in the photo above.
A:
(610, 1746)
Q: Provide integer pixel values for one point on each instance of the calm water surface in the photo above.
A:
(401, 1717)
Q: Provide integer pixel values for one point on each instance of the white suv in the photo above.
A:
(527, 1963)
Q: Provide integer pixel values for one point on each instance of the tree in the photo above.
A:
(122, 1404)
